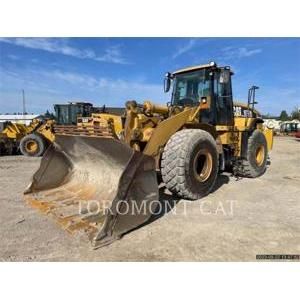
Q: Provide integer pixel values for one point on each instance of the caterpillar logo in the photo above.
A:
(242, 112)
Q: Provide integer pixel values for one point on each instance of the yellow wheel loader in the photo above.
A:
(38, 137)
(41, 133)
(104, 185)
(34, 139)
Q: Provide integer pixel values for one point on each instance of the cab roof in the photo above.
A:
(193, 68)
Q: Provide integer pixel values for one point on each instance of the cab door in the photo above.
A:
(223, 98)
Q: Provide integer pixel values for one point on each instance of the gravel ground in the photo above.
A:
(238, 220)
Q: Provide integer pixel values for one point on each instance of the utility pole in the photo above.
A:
(24, 107)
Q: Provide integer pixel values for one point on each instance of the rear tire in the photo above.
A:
(257, 154)
(189, 165)
(33, 145)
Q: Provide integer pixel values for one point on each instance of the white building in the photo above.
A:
(21, 119)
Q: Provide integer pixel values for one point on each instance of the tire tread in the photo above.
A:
(174, 158)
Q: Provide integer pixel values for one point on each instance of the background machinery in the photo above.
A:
(73, 117)
(290, 128)
(10, 137)
(34, 139)
(105, 184)
(41, 133)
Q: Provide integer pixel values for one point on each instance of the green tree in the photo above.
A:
(283, 116)
(48, 115)
(295, 114)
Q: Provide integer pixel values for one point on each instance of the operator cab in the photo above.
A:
(204, 83)
(66, 114)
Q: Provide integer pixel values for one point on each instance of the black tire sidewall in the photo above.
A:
(33, 137)
(256, 140)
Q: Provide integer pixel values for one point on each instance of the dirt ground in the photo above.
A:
(238, 220)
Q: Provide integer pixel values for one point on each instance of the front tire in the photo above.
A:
(189, 165)
(33, 145)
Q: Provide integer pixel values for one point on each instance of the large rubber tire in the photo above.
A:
(257, 154)
(8, 147)
(39, 143)
(189, 164)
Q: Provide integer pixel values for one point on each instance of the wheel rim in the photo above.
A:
(260, 155)
(31, 146)
(203, 165)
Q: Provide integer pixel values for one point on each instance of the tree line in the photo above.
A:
(285, 116)
(294, 115)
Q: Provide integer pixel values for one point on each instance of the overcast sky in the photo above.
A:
(112, 70)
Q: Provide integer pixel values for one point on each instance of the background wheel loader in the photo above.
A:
(34, 139)
(104, 185)
(40, 133)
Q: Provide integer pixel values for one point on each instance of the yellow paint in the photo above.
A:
(269, 134)
(225, 137)
(165, 130)
(151, 108)
(114, 120)
(46, 130)
(14, 131)
(260, 155)
(31, 146)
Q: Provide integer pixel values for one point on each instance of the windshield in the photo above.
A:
(189, 88)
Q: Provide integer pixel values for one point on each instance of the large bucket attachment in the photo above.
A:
(95, 185)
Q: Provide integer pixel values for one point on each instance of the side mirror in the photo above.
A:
(167, 82)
